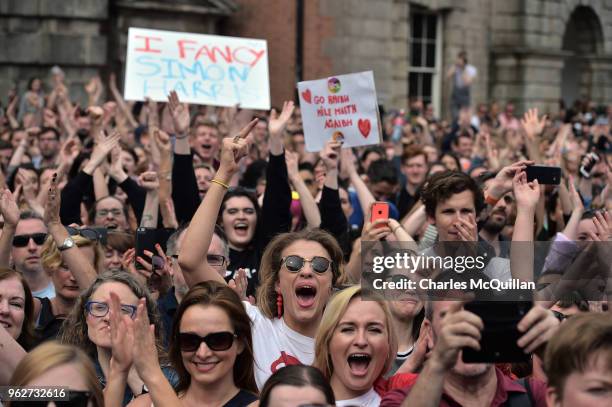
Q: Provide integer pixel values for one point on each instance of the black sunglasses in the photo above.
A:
(74, 399)
(93, 234)
(216, 341)
(295, 263)
(23, 240)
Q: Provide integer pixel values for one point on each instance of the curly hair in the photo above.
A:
(271, 264)
(441, 186)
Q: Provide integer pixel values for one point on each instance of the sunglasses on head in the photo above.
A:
(216, 341)
(74, 399)
(23, 240)
(93, 234)
(295, 263)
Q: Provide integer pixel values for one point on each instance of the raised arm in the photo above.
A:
(83, 271)
(148, 180)
(366, 199)
(198, 235)
(527, 195)
(307, 201)
(184, 184)
(10, 214)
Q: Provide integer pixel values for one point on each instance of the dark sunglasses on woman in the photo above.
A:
(74, 399)
(23, 240)
(216, 341)
(295, 263)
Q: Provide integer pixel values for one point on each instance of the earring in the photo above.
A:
(279, 305)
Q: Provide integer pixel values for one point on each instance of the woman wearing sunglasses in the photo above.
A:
(62, 366)
(16, 321)
(211, 350)
(355, 346)
(88, 325)
(296, 275)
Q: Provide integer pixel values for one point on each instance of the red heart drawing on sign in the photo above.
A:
(306, 95)
(364, 127)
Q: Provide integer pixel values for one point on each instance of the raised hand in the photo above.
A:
(239, 284)
(146, 360)
(8, 208)
(122, 336)
(149, 181)
(277, 123)
(53, 203)
(538, 326)
(180, 113)
(503, 181)
(331, 154)
(532, 125)
(100, 151)
(527, 194)
(69, 152)
(460, 329)
(162, 140)
(603, 226)
(234, 148)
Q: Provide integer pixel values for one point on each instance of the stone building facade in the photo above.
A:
(531, 52)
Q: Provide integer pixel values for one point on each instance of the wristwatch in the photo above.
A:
(68, 244)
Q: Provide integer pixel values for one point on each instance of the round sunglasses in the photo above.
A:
(216, 341)
(295, 263)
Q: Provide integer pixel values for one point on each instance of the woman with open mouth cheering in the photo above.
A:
(355, 346)
(297, 274)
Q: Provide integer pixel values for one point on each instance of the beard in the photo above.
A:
(494, 226)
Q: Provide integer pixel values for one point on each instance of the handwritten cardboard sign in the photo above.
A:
(342, 107)
(202, 69)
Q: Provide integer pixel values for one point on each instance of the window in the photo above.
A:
(425, 57)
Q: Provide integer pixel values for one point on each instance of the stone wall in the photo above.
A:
(37, 34)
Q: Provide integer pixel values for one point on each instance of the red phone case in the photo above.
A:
(380, 210)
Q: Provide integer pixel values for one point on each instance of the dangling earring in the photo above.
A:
(279, 304)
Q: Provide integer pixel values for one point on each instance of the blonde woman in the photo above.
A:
(50, 313)
(355, 346)
(55, 365)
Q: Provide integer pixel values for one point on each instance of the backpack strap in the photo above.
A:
(521, 399)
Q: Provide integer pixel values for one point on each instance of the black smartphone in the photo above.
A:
(146, 238)
(500, 333)
(544, 174)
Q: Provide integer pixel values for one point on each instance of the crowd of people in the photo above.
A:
(250, 293)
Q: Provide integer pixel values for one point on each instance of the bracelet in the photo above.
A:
(397, 227)
(182, 137)
(223, 184)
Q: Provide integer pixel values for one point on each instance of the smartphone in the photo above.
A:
(585, 170)
(146, 238)
(380, 210)
(500, 333)
(544, 174)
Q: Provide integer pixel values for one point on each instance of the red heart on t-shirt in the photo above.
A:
(306, 95)
(364, 127)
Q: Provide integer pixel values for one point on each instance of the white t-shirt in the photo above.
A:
(370, 399)
(275, 345)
